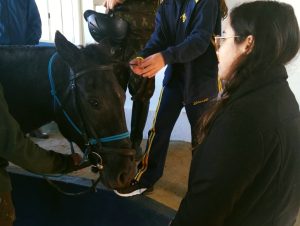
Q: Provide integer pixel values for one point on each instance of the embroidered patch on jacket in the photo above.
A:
(183, 17)
(220, 85)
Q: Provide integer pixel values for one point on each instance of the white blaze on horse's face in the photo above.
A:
(96, 103)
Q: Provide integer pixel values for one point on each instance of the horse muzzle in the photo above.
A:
(117, 166)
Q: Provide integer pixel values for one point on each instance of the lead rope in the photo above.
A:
(93, 187)
(57, 101)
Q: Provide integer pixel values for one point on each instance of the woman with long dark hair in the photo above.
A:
(245, 169)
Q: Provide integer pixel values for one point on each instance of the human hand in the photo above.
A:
(151, 65)
(76, 159)
(73, 162)
(110, 4)
(135, 65)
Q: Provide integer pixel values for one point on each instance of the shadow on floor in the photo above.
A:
(38, 204)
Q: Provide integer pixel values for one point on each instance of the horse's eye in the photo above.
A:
(94, 103)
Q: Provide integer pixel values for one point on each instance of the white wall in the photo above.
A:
(85, 5)
(294, 66)
(62, 15)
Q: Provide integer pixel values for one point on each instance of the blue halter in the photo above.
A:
(92, 141)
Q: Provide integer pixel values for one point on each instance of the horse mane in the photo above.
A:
(98, 53)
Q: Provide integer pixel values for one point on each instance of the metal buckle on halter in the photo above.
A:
(99, 161)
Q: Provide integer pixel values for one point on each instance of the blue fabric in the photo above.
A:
(38, 204)
(183, 35)
(49, 44)
(168, 112)
(20, 22)
(186, 45)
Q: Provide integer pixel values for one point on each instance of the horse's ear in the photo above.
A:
(67, 50)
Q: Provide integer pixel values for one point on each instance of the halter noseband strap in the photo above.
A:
(109, 139)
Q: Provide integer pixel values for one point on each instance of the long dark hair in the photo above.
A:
(276, 41)
(223, 9)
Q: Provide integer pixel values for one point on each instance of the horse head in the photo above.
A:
(94, 104)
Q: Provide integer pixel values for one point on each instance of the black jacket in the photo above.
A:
(183, 33)
(247, 170)
(20, 150)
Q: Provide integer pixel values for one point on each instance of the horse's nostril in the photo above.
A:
(132, 158)
(123, 178)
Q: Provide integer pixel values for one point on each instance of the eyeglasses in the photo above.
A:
(219, 40)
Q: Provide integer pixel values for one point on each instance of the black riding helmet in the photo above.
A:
(109, 26)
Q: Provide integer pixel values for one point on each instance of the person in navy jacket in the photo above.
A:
(182, 40)
(20, 22)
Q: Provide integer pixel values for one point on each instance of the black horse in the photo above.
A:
(125, 44)
(79, 90)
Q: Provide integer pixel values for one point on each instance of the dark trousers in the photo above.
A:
(168, 109)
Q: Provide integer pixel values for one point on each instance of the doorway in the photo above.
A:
(62, 15)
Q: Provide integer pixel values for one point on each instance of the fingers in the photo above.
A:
(136, 70)
(105, 3)
(110, 4)
(136, 61)
(76, 159)
(147, 67)
(148, 62)
(135, 65)
(150, 72)
(151, 65)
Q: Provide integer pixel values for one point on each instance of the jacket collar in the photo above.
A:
(270, 76)
(189, 10)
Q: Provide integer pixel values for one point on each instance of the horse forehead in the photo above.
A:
(105, 84)
(98, 76)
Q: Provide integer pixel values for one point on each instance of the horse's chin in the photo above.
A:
(116, 183)
(110, 184)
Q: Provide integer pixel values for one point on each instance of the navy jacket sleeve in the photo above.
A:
(34, 26)
(197, 42)
(157, 41)
(221, 169)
